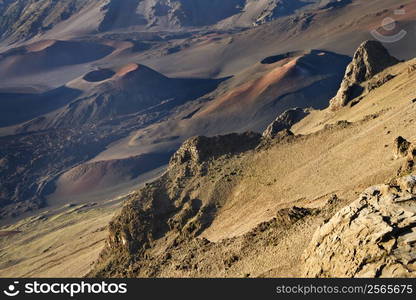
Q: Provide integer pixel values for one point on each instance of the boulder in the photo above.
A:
(285, 121)
(401, 147)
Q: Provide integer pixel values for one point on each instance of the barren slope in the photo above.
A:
(216, 210)
(84, 127)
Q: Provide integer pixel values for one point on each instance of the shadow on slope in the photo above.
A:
(49, 54)
(112, 95)
(16, 108)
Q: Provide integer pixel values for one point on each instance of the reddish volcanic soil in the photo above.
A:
(39, 46)
(249, 92)
(127, 69)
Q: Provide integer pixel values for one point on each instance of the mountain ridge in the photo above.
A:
(27, 19)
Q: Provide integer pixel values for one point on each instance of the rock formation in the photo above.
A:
(285, 121)
(201, 148)
(407, 150)
(370, 59)
(373, 237)
(401, 147)
(166, 207)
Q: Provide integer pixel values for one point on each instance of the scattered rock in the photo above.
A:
(338, 124)
(370, 59)
(401, 147)
(411, 69)
(373, 237)
(408, 165)
(379, 81)
(285, 121)
(407, 150)
(229, 261)
(355, 101)
(285, 218)
(189, 210)
(293, 214)
(333, 200)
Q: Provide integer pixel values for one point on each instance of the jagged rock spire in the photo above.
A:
(370, 59)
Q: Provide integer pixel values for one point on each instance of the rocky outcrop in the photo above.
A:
(411, 69)
(407, 150)
(285, 121)
(168, 212)
(373, 237)
(200, 149)
(377, 82)
(401, 147)
(370, 59)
